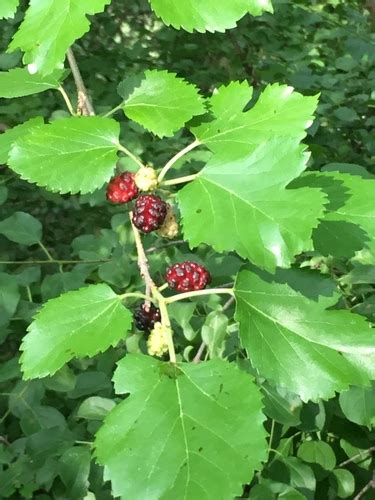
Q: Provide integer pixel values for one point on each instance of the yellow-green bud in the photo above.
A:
(157, 342)
(146, 179)
(170, 228)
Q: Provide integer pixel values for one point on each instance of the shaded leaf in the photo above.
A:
(349, 223)
(317, 452)
(343, 482)
(358, 405)
(74, 469)
(95, 408)
(9, 297)
(22, 228)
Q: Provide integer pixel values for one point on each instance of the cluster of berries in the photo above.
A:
(183, 277)
(150, 212)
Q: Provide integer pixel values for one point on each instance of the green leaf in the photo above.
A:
(291, 337)
(301, 475)
(50, 28)
(243, 205)
(207, 15)
(3, 190)
(54, 285)
(9, 297)
(90, 382)
(163, 103)
(358, 405)
(63, 380)
(8, 8)
(346, 114)
(25, 395)
(281, 405)
(74, 470)
(19, 82)
(349, 223)
(39, 417)
(183, 314)
(95, 408)
(361, 457)
(69, 155)
(22, 228)
(278, 113)
(214, 332)
(317, 452)
(9, 136)
(343, 482)
(196, 429)
(77, 324)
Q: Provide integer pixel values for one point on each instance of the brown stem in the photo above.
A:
(84, 104)
(363, 454)
(165, 245)
(364, 490)
(250, 70)
(197, 357)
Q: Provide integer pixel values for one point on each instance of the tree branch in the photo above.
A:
(84, 104)
(362, 455)
(197, 357)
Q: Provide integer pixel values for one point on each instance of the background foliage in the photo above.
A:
(46, 426)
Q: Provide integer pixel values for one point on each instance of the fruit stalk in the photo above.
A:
(176, 157)
(142, 260)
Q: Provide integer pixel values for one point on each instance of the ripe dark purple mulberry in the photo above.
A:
(149, 213)
(145, 318)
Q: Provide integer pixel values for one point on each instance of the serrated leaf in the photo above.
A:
(196, 429)
(77, 324)
(9, 136)
(22, 228)
(358, 405)
(293, 340)
(207, 15)
(163, 103)
(18, 82)
(8, 8)
(233, 133)
(349, 223)
(50, 28)
(69, 155)
(243, 205)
